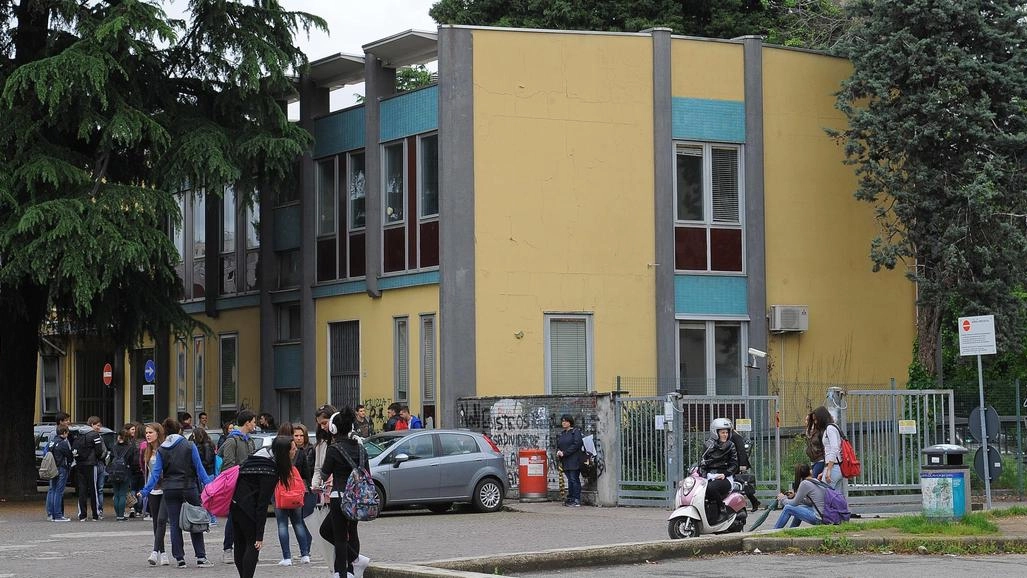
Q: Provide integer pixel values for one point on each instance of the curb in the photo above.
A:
(606, 555)
(899, 543)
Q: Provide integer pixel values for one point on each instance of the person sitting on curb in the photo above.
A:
(804, 504)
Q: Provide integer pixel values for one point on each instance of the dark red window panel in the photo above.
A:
(726, 250)
(413, 211)
(690, 249)
(357, 258)
(394, 249)
(430, 244)
(326, 259)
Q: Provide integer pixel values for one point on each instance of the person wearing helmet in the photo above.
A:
(719, 464)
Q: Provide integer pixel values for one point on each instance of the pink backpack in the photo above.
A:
(217, 495)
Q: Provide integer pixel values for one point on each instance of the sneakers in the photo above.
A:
(82, 518)
(204, 563)
(229, 558)
(359, 565)
(164, 559)
(120, 518)
(181, 563)
(62, 519)
(154, 558)
(285, 562)
(305, 559)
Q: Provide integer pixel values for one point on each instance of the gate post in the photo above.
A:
(836, 405)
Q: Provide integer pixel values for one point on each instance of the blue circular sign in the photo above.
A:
(149, 371)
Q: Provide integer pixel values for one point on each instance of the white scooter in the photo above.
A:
(690, 519)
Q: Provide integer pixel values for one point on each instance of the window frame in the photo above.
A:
(587, 317)
(58, 370)
(181, 375)
(199, 371)
(708, 222)
(401, 358)
(358, 372)
(421, 217)
(350, 199)
(428, 373)
(709, 354)
(400, 222)
(222, 338)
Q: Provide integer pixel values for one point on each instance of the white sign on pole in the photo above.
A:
(977, 335)
(149, 389)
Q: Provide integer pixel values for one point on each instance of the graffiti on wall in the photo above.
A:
(530, 423)
(375, 409)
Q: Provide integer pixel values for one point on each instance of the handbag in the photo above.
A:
(193, 519)
(130, 499)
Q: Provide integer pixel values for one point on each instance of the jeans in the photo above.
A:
(55, 495)
(159, 518)
(798, 514)
(837, 480)
(818, 467)
(573, 486)
(295, 515)
(173, 501)
(120, 489)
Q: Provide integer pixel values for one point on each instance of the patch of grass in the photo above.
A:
(1010, 512)
(975, 524)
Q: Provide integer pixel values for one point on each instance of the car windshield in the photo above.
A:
(375, 445)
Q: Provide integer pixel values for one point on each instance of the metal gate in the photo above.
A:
(660, 437)
(891, 457)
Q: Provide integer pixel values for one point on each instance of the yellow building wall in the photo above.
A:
(707, 69)
(861, 324)
(245, 323)
(563, 164)
(377, 383)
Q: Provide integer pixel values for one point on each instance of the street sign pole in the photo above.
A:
(984, 435)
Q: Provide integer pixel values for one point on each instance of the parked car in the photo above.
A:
(214, 434)
(437, 468)
(44, 432)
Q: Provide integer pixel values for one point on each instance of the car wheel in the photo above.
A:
(381, 496)
(488, 495)
(440, 508)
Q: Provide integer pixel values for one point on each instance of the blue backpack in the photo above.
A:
(836, 508)
(360, 501)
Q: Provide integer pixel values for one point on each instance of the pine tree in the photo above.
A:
(109, 108)
(937, 134)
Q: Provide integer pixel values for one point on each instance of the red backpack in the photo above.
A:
(850, 465)
(292, 497)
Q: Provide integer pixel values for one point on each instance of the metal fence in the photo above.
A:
(889, 429)
(656, 451)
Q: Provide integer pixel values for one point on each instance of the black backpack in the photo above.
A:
(119, 471)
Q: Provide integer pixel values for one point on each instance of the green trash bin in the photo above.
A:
(945, 482)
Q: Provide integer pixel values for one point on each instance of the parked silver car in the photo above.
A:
(437, 468)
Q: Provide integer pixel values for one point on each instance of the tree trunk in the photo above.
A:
(21, 309)
(928, 322)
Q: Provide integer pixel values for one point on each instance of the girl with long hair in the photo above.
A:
(122, 453)
(805, 504)
(154, 436)
(258, 475)
(294, 515)
(814, 445)
(831, 436)
(322, 439)
(348, 560)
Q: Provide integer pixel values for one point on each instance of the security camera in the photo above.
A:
(757, 352)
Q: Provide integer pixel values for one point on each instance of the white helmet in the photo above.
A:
(719, 424)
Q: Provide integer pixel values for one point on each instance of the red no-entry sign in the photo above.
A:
(108, 374)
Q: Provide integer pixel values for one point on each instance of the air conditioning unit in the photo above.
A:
(789, 317)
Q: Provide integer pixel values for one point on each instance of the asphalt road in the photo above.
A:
(789, 566)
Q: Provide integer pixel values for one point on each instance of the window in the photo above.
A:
(198, 389)
(228, 242)
(357, 195)
(289, 322)
(401, 358)
(427, 358)
(710, 357)
(327, 241)
(252, 245)
(428, 161)
(189, 236)
(344, 363)
(417, 447)
(568, 339)
(454, 444)
(229, 371)
(288, 268)
(708, 234)
(180, 375)
(51, 390)
(199, 250)
(392, 178)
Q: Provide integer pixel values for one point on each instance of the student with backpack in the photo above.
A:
(340, 459)
(254, 490)
(804, 504)
(290, 498)
(120, 471)
(59, 450)
(832, 438)
(89, 453)
(235, 448)
(177, 468)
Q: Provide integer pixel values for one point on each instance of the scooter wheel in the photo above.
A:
(682, 527)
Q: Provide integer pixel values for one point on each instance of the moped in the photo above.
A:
(693, 517)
